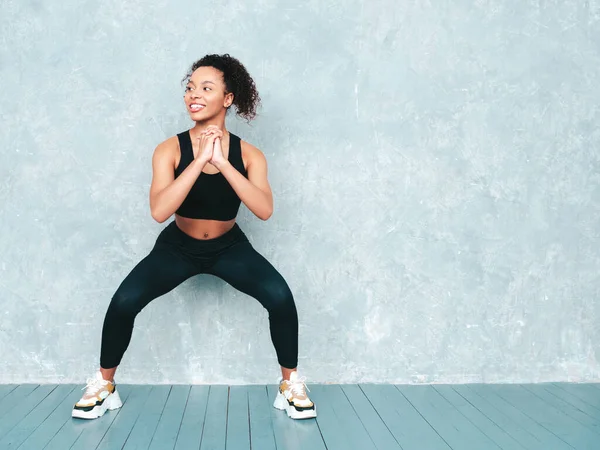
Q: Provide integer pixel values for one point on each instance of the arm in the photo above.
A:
(166, 192)
(253, 191)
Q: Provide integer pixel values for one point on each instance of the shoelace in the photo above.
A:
(298, 387)
(93, 386)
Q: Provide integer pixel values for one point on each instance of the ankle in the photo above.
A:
(286, 373)
(108, 374)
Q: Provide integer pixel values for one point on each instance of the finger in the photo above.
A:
(214, 129)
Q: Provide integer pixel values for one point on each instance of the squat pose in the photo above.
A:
(202, 175)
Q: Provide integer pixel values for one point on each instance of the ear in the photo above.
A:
(228, 100)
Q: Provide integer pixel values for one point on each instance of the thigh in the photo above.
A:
(249, 272)
(159, 272)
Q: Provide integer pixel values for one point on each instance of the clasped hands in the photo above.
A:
(208, 148)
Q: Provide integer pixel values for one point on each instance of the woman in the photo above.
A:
(202, 175)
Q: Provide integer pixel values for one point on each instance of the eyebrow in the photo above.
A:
(205, 81)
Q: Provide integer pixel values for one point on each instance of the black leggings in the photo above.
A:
(177, 257)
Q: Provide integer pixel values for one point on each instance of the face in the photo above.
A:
(205, 96)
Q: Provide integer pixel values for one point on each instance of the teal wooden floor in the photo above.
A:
(479, 417)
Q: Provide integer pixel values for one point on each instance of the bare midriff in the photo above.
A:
(203, 228)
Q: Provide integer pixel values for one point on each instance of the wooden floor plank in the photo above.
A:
(170, 421)
(32, 420)
(451, 425)
(563, 426)
(500, 436)
(122, 425)
(557, 416)
(330, 426)
(572, 400)
(546, 393)
(15, 397)
(215, 425)
(6, 389)
(24, 407)
(340, 426)
(262, 435)
(370, 418)
(53, 423)
(91, 435)
(584, 392)
(407, 425)
(547, 439)
(293, 434)
(192, 424)
(238, 428)
(501, 417)
(145, 427)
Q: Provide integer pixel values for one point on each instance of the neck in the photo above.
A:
(202, 125)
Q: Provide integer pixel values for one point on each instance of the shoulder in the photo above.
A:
(251, 154)
(169, 144)
(167, 149)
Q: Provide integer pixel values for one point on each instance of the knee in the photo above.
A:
(279, 299)
(125, 303)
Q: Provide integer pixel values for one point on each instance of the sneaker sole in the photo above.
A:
(282, 404)
(113, 401)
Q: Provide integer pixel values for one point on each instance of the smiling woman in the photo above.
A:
(201, 176)
(238, 82)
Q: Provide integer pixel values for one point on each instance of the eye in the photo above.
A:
(206, 87)
(188, 88)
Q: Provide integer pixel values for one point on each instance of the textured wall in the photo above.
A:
(436, 175)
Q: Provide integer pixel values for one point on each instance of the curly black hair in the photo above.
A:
(237, 81)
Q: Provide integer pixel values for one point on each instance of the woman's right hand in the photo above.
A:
(203, 150)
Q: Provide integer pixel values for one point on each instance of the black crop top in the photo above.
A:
(211, 196)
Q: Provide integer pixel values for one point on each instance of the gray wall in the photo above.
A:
(435, 167)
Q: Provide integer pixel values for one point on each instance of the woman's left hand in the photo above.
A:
(218, 159)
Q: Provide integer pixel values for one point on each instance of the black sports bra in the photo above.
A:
(211, 196)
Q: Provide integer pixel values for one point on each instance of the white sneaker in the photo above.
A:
(292, 398)
(99, 396)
